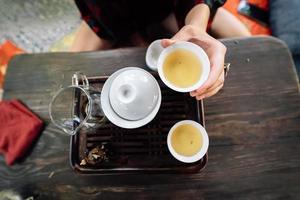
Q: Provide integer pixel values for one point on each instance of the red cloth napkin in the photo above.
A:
(19, 127)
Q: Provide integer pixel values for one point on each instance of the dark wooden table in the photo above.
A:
(253, 125)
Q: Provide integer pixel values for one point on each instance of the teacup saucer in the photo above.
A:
(114, 117)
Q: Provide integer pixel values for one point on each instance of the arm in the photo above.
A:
(198, 17)
(195, 24)
(226, 25)
(87, 37)
(87, 40)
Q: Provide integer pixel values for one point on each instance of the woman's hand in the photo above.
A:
(215, 51)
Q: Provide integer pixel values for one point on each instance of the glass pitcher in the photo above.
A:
(77, 106)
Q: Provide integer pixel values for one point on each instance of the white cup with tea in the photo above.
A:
(183, 66)
(188, 141)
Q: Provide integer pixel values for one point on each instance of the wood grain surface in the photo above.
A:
(253, 125)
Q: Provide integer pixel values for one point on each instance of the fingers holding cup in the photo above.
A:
(209, 91)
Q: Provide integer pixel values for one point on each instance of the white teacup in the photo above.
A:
(156, 56)
(203, 137)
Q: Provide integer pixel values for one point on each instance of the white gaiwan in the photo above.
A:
(130, 97)
(133, 94)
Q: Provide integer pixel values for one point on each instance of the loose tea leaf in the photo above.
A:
(95, 156)
(83, 162)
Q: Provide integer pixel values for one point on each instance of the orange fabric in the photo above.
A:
(7, 51)
(254, 27)
(263, 4)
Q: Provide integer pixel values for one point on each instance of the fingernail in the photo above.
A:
(163, 42)
(167, 42)
(171, 42)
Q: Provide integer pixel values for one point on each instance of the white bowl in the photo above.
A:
(112, 116)
(134, 94)
(152, 54)
(198, 51)
(201, 152)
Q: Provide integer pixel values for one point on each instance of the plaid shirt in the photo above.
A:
(117, 19)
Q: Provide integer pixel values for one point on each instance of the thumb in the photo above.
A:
(181, 35)
(167, 42)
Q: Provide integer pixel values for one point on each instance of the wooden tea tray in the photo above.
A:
(141, 150)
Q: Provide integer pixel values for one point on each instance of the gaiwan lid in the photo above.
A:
(134, 94)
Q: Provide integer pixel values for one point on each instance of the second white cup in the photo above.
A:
(184, 136)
